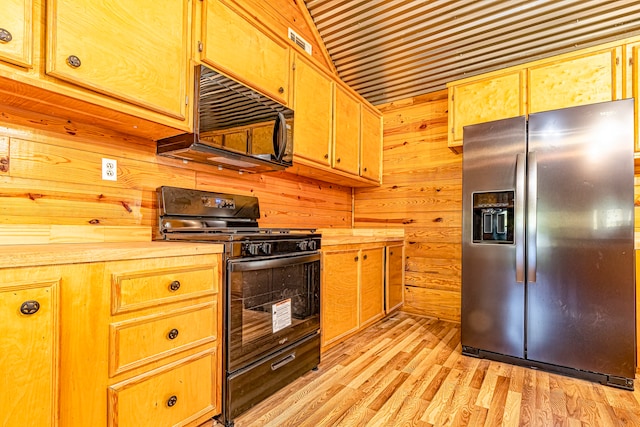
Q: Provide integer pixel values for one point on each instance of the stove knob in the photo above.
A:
(302, 246)
(312, 245)
(266, 248)
(252, 249)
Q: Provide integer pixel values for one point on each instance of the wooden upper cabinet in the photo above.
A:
(16, 32)
(346, 147)
(29, 342)
(577, 80)
(238, 48)
(134, 51)
(313, 104)
(371, 145)
(496, 97)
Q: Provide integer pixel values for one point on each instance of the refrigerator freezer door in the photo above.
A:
(581, 310)
(492, 300)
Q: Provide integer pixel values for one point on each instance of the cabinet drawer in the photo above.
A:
(141, 289)
(142, 340)
(174, 395)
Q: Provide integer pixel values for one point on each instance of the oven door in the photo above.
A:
(272, 303)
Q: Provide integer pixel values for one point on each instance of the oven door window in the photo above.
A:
(272, 304)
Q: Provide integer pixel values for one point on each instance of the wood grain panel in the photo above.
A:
(420, 300)
(279, 15)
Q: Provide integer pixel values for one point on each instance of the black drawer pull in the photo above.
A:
(356, 259)
(172, 401)
(174, 286)
(365, 257)
(30, 307)
(172, 334)
(281, 363)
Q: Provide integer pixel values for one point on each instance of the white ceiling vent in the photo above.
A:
(300, 41)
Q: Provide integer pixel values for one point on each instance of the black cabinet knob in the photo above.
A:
(74, 61)
(173, 334)
(174, 286)
(29, 307)
(172, 401)
(5, 35)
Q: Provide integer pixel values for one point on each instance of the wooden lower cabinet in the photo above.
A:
(371, 285)
(110, 343)
(29, 343)
(394, 277)
(353, 289)
(339, 294)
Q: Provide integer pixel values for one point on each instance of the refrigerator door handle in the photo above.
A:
(519, 217)
(532, 222)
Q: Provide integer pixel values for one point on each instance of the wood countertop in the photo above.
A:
(73, 253)
(346, 236)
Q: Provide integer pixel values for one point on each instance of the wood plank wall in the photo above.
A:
(422, 192)
(50, 172)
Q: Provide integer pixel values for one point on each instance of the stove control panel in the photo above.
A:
(279, 247)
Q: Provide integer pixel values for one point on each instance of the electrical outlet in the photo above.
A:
(109, 170)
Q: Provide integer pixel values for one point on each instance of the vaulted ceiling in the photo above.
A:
(395, 49)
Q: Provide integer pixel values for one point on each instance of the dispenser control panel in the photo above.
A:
(493, 217)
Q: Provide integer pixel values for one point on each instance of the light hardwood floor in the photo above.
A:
(408, 371)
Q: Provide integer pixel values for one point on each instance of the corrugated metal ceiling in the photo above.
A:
(395, 49)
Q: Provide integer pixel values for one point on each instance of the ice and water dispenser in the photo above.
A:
(493, 217)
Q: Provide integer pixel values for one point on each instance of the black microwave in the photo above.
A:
(237, 128)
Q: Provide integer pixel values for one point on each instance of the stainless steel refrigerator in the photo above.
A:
(547, 247)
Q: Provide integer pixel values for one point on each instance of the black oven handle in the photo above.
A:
(264, 264)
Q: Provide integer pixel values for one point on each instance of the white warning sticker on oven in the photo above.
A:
(281, 314)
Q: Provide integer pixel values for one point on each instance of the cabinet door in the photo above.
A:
(136, 51)
(395, 277)
(16, 32)
(584, 79)
(238, 48)
(372, 285)
(492, 98)
(371, 145)
(339, 302)
(314, 113)
(29, 342)
(347, 132)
